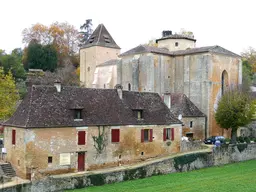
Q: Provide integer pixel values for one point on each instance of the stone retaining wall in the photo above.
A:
(219, 156)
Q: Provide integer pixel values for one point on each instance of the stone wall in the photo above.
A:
(33, 148)
(191, 161)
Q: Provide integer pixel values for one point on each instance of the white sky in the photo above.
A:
(228, 23)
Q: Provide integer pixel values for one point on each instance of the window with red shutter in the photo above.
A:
(81, 137)
(172, 130)
(115, 135)
(13, 137)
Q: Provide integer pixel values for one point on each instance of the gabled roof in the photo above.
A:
(43, 107)
(212, 49)
(101, 37)
(146, 49)
(181, 104)
(177, 36)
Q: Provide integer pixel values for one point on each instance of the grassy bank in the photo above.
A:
(233, 177)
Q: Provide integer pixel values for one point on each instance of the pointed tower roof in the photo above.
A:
(101, 37)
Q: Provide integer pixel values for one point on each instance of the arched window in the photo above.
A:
(129, 86)
(224, 82)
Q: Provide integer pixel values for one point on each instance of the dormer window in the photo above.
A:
(106, 38)
(78, 114)
(139, 114)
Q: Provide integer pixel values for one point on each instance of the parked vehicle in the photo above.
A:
(212, 139)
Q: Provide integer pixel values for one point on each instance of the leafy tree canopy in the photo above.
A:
(13, 63)
(62, 36)
(236, 108)
(8, 95)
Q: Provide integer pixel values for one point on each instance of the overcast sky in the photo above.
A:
(230, 24)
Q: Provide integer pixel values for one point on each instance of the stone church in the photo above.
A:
(175, 66)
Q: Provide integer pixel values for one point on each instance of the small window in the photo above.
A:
(167, 134)
(78, 114)
(13, 136)
(49, 159)
(146, 135)
(176, 44)
(88, 69)
(139, 114)
(129, 86)
(115, 135)
(104, 86)
(18, 162)
(191, 124)
(81, 137)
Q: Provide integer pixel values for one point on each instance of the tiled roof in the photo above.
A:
(43, 106)
(146, 49)
(101, 37)
(109, 62)
(181, 104)
(211, 49)
(177, 36)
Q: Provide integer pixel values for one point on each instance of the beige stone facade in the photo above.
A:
(30, 155)
(176, 44)
(91, 57)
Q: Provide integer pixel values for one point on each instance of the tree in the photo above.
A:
(62, 36)
(13, 63)
(186, 32)
(152, 43)
(86, 31)
(8, 95)
(235, 109)
(41, 57)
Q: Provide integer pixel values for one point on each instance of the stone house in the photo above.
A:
(61, 129)
(193, 120)
(175, 66)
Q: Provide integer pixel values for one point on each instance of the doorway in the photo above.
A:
(80, 159)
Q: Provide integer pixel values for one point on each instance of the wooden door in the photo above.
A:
(80, 159)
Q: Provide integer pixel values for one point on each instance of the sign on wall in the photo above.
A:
(65, 159)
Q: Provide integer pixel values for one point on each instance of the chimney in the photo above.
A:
(166, 33)
(57, 84)
(119, 89)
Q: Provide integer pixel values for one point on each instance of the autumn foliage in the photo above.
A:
(62, 36)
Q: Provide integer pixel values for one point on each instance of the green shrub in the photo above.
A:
(241, 139)
(247, 139)
(227, 140)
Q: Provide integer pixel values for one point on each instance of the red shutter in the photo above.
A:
(115, 133)
(172, 129)
(150, 135)
(85, 137)
(164, 134)
(142, 135)
(81, 137)
(13, 137)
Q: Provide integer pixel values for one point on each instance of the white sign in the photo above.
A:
(3, 150)
(65, 159)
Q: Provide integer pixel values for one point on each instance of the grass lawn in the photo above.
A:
(238, 177)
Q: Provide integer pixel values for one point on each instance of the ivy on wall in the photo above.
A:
(100, 141)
